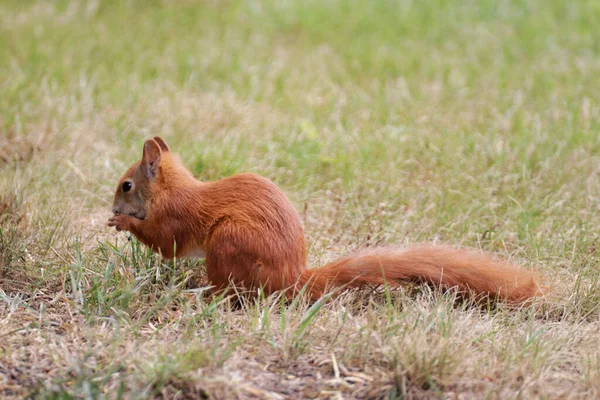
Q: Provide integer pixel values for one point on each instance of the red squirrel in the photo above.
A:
(251, 236)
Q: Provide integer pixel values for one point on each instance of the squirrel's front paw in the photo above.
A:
(121, 222)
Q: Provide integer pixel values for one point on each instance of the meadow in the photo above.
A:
(470, 123)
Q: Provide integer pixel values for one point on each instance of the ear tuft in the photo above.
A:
(151, 158)
(161, 143)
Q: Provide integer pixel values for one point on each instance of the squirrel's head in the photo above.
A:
(135, 187)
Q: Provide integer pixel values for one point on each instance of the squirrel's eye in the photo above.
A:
(127, 186)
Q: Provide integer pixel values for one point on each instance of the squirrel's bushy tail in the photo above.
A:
(469, 270)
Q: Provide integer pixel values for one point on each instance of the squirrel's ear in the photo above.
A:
(161, 143)
(151, 158)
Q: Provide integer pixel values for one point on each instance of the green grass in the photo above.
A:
(473, 123)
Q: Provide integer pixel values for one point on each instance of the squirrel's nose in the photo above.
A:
(115, 211)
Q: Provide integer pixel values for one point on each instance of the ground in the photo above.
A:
(470, 123)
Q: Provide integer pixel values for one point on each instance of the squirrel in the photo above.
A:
(251, 236)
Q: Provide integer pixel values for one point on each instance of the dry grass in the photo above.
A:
(470, 123)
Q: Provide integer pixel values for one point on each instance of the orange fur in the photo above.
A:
(251, 236)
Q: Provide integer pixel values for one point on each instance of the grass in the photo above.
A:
(473, 123)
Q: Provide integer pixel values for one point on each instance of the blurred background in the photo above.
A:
(458, 117)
